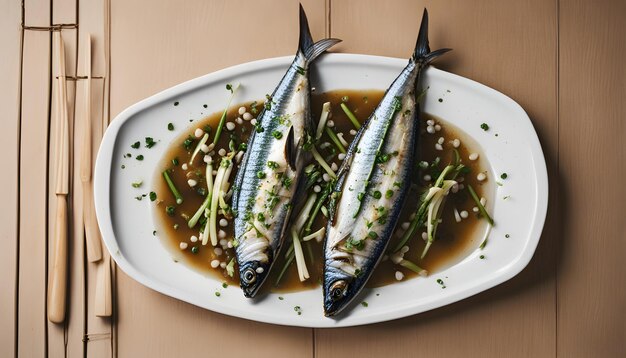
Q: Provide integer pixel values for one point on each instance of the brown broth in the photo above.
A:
(454, 240)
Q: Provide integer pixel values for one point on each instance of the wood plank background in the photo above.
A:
(562, 60)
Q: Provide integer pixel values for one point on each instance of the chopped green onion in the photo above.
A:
(318, 234)
(420, 215)
(323, 163)
(435, 209)
(318, 206)
(170, 184)
(413, 267)
(277, 134)
(219, 186)
(194, 219)
(204, 235)
(351, 116)
(335, 139)
(202, 141)
(311, 179)
(323, 118)
(218, 131)
(230, 268)
(187, 143)
(457, 157)
(288, 263)
(150, 142)
(303, 272)
(482, 209)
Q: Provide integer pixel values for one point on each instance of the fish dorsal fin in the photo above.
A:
(290, 150)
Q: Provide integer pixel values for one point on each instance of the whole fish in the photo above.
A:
(268, 179)
(372, 184)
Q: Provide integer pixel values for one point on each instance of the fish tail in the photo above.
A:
(422, 54)
(306, 47)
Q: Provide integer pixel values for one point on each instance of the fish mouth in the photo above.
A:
(333, 306)
(338, 293)
(251, 277)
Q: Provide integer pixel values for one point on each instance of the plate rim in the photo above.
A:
(104, 163)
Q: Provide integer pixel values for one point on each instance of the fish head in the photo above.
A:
(252, 274)
(338, 291)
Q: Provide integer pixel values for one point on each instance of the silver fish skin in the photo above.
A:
(373, 183)
(268, 179)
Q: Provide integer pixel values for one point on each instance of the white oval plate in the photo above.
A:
(127, 224)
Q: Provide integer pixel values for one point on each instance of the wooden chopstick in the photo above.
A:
(57, 284)
(104, 296)
(92, 234)
(103, 305)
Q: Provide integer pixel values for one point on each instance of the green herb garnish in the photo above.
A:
(188, 143)
(441, 283)
(277, 134)
(150, 142)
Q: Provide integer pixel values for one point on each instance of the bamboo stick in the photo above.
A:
(92, 234)
(57, 286)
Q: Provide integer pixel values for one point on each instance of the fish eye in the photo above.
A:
(249, 276)
(338, 289)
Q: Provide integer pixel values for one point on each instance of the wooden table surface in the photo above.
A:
(562, 60)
